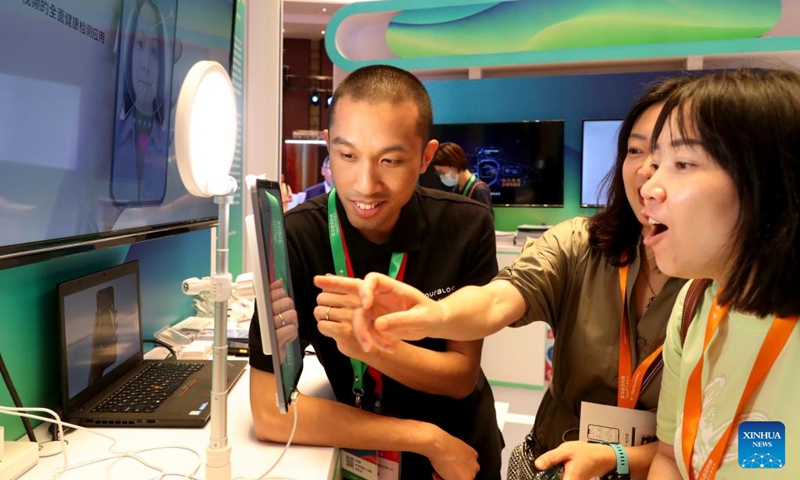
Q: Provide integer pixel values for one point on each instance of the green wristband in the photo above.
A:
(623, 468)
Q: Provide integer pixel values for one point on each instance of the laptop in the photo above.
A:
(106, 382)
(277, 316)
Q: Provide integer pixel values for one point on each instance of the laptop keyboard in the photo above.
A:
(149, 388)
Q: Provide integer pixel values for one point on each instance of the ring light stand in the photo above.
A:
(205, 141)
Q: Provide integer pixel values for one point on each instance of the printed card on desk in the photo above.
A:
(202, 328)
(358, 464)
(388, 465)
(610, 424)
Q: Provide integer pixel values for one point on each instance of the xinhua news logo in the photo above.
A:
(762, 445)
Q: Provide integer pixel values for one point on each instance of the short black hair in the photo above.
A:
(450, 154)
(748, 121)
(384, 83)
(615, 230)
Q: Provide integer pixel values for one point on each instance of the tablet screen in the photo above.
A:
(277, 315)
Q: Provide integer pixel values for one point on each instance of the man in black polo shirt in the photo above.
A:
(430, 399)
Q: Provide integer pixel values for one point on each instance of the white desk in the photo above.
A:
(249, 457)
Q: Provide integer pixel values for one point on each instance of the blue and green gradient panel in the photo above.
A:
(475, 33)
(531, 25)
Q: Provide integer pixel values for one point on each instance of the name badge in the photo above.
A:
(388, 465)
(358, 464)
(369, 464)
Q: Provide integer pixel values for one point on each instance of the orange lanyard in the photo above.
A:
(630, 382)
(776, 338)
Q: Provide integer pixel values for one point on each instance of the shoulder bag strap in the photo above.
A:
(478, 182)
(696, 290)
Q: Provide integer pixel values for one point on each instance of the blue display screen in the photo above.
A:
(597, 159)
(521, 162)
(88, 89)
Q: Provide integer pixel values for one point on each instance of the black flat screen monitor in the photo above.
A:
(597, 158)
(522, 162)
(277, 316)
(88, 89)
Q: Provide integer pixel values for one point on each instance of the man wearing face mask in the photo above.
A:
(450, 163)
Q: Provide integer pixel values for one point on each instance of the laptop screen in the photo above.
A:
(100, 330)
(275, 300)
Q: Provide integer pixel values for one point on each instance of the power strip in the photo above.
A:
(16, 458)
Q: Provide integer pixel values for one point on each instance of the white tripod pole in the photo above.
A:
(218, 452)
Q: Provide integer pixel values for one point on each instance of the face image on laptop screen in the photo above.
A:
(275, 300)
(101, 328)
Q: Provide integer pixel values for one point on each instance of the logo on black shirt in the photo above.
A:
(441, 292)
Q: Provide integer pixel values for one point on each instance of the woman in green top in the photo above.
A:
(593, 282)
(724, 204)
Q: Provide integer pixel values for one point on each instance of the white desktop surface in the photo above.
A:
(249, 457)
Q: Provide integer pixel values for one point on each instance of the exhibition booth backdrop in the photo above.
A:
(29, 318)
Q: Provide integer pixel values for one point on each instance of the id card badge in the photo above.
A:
(388, 465)
(369, 464)
(358, 464)
(612, 424)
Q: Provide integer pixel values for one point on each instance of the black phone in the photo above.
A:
(104, 336)
(553, 473)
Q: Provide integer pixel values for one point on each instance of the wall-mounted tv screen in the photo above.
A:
(88, 91)
(597, 159)
(522, 162)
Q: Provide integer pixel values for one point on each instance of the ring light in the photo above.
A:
(205, 130)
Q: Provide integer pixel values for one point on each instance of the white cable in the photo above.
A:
(135, 455)
(19, 412)
(263, 476)
(43, 447)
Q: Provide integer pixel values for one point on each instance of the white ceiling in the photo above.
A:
(307, 19)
